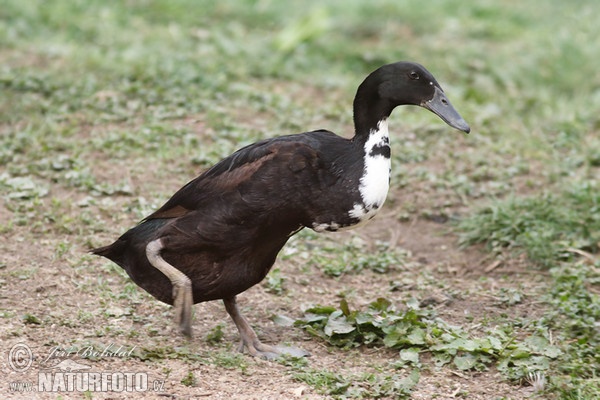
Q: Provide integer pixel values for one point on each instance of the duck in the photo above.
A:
(220, 234)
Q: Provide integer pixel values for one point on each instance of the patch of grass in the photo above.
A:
(168, 352)
(549, 228)
(189, 379)
(575, 297)
(359, 386)
(560, 231)
(275, 282)
(24, 273)
(215, 335)
(230, 360)
(381, 384)
(352, 257)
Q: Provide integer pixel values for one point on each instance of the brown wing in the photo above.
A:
(293, 153)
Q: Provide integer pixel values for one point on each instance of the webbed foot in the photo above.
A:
(250, 342)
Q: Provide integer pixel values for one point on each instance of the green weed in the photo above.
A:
(31, 319)
(415, 331)
(230, 360)
(215, 335)
(549, 228)
(350, 385)
(355, 257)
(189, 379)
(275, 282)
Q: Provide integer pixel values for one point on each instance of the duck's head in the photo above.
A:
(404, 83)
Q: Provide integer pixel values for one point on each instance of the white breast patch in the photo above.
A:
(375, 182)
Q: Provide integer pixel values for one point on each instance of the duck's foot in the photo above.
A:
(257, 348)
(250, 342)
(182, 287)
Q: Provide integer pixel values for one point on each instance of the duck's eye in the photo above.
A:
(413, 75)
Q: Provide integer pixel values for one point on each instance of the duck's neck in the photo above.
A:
(370, 124)
(369, 112)
(372, 140)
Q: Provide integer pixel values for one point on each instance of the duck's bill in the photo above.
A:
(441, 106)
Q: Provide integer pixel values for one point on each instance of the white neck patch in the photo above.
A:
(375, 182)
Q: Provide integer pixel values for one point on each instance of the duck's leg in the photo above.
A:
(182, 287)
(249, 339)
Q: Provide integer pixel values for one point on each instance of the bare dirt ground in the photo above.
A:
(68, 305)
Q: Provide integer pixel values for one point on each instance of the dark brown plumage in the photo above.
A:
(220, 234)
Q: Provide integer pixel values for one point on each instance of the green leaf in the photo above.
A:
(283, 320)
(31, 319)
(552, 352)
(495, 343)
(364, 318)
(381, 304)
(311, 318)
(24, 187)
(338, 324)
(396, 337)
(416, 336)
(537, 343)
(541, 345)
(409, 382)
(313, 331)
(457, 344)
(320, 310)
(410, 355)
(392, 339)
(344, 307)
(441, 358)
(465, 362)
(413, 303)
(520, 352)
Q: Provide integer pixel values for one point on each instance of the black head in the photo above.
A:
(403, 83)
